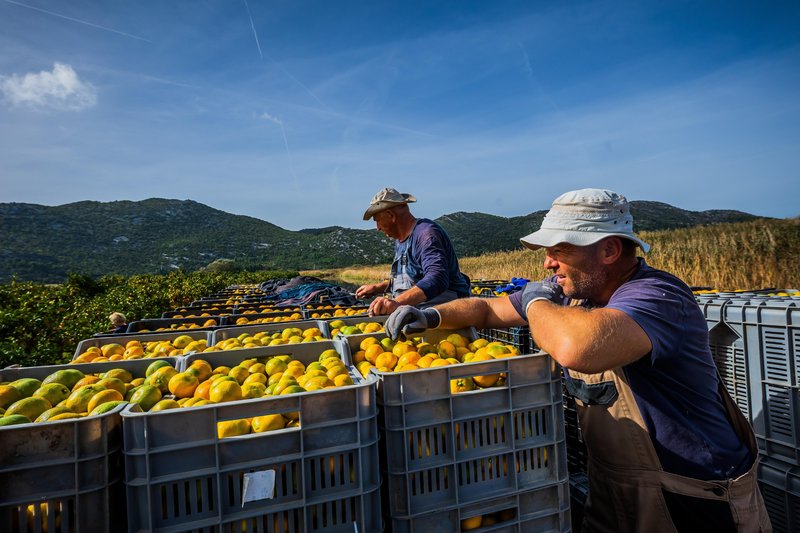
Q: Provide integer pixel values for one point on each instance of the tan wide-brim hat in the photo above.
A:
(385, 199)
(584, 217)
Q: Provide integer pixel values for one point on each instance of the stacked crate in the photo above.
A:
(577, 456)
(448, 457)
(320, 476)
(64, 475)
(755, 341)
(445, 458)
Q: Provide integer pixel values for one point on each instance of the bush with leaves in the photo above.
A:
(42, 324)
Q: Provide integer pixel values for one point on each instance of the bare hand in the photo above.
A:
(365, 291)
(382, 306)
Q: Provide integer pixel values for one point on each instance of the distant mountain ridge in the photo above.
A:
(43, 243)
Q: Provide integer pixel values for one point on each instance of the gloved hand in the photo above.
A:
(541, 290)
(408, 320)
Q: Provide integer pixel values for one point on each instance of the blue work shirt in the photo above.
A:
(676, 385)
(431, 260)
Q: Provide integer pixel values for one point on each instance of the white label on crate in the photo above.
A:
(258, 486)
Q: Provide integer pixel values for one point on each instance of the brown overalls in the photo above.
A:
(625, 475)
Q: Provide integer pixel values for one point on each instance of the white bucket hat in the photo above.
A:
(386, 198)
(585, 217)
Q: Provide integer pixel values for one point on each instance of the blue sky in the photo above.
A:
(297, 112)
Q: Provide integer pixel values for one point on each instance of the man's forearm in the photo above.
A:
(587, 340)
(412, 296)
(478, 312)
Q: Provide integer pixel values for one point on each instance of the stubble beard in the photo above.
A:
(587, 284)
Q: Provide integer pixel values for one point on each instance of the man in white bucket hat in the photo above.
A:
(425, 269)
(668, 448)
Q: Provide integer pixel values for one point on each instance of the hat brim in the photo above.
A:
(545, 238)
(373, 209)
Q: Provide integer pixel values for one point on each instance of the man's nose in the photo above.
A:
(550, 263)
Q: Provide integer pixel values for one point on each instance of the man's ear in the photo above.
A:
(611, 250)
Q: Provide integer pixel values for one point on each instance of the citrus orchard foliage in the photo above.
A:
(42, 324)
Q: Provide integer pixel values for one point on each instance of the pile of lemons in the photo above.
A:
(270, 338)
(66, 394)
(339, 326)
(386, 355)
(136, 349)
(201, 384)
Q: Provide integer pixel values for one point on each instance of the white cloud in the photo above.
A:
(59, 89)
(271, 118)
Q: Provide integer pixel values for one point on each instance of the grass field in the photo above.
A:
(748, 255)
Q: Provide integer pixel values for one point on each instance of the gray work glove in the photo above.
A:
(408, 320)
(541, 290)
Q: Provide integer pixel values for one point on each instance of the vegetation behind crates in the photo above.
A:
(42, 324)
(744, 255)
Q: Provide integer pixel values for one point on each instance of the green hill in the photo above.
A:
(477, 233)
(44, 243)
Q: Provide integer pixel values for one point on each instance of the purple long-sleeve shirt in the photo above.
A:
(431, 260)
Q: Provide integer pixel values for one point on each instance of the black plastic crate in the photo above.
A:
(578, 493)
(262, 318)
(517, 336)
(577, 456)
(194, 312)
(156, 325)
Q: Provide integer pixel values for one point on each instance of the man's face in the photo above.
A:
(385, 221)
(579, 269)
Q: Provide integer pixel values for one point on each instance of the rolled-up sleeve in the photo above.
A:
(435, 266)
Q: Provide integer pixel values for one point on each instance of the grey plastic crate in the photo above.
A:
(728, 351)
(230, 320)
(545, 509)
(444, 449)
(141, 337)
(74, 466)
(768, 333)
(181, 476)
(780, 487)
(64, 475)
(171, 324)
(234, 331)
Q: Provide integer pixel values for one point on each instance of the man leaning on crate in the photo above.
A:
(668, 449)
(425, 269)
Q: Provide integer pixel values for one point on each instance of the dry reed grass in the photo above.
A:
(747, 255)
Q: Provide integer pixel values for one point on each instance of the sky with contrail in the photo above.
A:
(298, 112)
(78, 21)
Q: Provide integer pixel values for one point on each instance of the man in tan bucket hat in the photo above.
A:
(668, 449)
(425, 269)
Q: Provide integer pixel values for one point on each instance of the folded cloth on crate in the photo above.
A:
(516, 284)
(314, 293)
(274, 286)
(269, 286)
